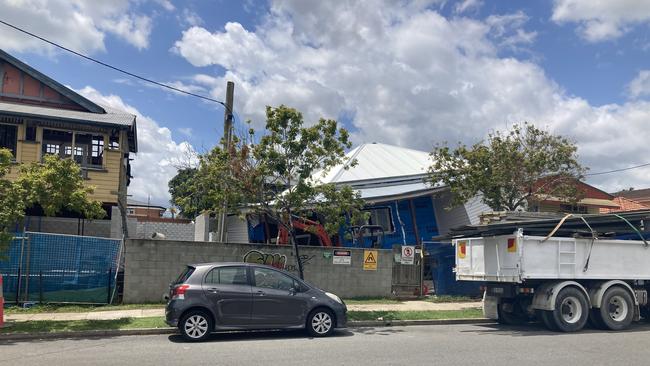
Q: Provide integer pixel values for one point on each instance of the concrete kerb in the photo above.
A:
(162, 331)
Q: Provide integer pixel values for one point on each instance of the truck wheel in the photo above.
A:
(546, 316)
(510, 313)
(616, 309)
(571, 310)
(596, 320)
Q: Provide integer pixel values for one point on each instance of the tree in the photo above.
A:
(12, 205)
(511, 168)
(187, 194)
(55, 184)
(274, 176)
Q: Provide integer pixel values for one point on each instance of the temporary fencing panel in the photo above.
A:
(42, 267)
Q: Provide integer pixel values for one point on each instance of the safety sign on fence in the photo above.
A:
(342, 257)
(408, 254)
(370, 258)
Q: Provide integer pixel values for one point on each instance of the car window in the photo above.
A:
(268, 278)
(184, 276)
(227, 276)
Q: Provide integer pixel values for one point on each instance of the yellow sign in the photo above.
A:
(370, 260)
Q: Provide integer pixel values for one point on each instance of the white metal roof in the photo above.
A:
(377, 161)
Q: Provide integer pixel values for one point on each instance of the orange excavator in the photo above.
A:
(309, 226)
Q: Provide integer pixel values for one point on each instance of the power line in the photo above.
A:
(115, 68)
(619, 170)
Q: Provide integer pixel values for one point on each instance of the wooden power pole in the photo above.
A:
(227, 140)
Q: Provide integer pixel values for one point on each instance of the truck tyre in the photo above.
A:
(571, 310)
(510, 313)
(617, 309)
(546, 316)
(595, 319)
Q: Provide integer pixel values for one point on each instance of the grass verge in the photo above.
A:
(48, 326)
(450, 298)
(63, 308)
(370, 301)
(415, 315)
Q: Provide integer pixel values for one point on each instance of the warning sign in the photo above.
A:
(408, 254)
(370, 260)
(342, 257)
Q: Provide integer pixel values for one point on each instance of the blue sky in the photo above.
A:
(410, 73)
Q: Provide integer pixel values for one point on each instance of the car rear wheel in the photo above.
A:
(195, 326)
(320, 323)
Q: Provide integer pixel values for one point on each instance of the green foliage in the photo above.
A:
(512, 168)
(55, 185)
(273, 176)
(187, 193)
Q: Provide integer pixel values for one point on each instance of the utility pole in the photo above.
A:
(227, 140)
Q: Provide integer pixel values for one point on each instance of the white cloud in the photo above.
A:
(602, 20)
(409, 76)
(189, 18)
(467, 5)
(81, 24)
(158, 154)
(187, 131)
(640, 86)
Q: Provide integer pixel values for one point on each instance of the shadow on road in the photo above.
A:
(538, 330)
(260, 336)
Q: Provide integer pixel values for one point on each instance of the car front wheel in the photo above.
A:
(320, 323)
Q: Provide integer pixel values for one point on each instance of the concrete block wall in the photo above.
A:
(171, 230)
(150, 265)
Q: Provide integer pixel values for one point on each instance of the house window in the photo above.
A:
(88, 149)
(114, 140)
(57, 143)
(381, 216)
(30, 133)
(580, 209)
(8, 138)
(130, 211)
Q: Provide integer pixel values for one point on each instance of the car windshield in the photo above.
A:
(184, 275)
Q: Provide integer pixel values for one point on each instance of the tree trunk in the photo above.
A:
(292, 239)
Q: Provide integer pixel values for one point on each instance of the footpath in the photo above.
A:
(145, 313)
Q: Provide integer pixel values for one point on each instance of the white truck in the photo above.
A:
(563, 281)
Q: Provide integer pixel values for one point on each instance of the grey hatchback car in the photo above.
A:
(243, 296)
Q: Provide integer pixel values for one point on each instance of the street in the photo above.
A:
(483, 345)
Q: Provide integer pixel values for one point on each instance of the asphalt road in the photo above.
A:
(482, 345)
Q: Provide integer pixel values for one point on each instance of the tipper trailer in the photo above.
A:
(563, 281)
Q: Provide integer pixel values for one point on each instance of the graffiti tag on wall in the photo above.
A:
(276, 260)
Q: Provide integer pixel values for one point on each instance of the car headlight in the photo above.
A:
(334, 297)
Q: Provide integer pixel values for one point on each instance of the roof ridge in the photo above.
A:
(84, 102)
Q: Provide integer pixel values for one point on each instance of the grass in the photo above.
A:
(49, 326)
(68, 308)
(415, 315)
(451, 298)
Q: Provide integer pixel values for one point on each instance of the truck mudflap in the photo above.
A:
(490, 304)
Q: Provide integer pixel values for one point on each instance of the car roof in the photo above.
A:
(220, 264)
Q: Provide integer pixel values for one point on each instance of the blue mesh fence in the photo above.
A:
(44, 267)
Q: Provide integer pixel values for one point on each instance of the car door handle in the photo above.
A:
(260, 293)
(214, 290)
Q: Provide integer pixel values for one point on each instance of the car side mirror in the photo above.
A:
(292, 291)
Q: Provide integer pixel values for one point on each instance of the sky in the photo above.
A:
(413, 73)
